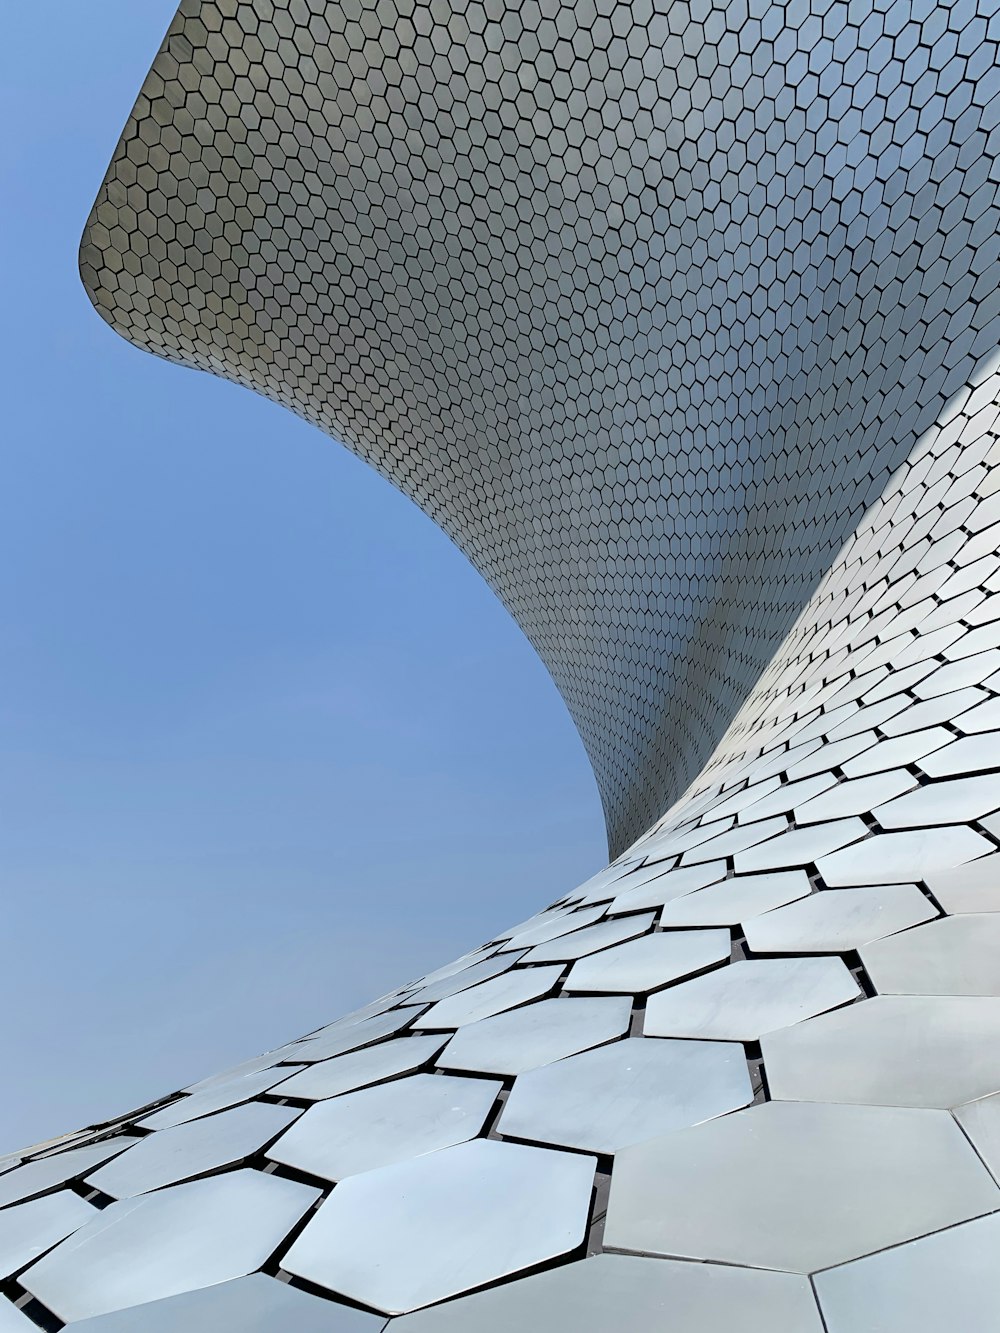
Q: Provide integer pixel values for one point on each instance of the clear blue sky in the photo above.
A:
(268, 745)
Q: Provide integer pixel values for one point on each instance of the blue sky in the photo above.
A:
(268, 744)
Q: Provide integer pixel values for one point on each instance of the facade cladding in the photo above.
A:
(682, 320)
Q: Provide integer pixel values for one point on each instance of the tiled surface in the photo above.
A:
(682, 321)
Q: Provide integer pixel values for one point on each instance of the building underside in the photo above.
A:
(683, 322)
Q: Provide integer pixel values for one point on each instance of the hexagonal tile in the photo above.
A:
(745, 1000)
(959, 955)
(631, 1090)
(537, 1034)
(419, 1231)
(178, 1239)
(387, 1123)
(192, 1149)
(890, 1051)
(946, 1281)
(617, 1291)
(796, 1187)
(254, 1304)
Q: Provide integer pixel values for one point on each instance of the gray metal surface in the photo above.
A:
(838, 922)
(650, 962)
(734, 900)
(389, 1123)
(615, 1293)
(46, 1172)
(216, 1097)
(343, 1073)
(192, 1149)
(939, 1283)
(178, 1239)
(583, 942)
(490, 997)
(980, 1121)
(796, 1188)
(255, 1304)
(419, 1231)
(957, 956)
(604, 1100)
(745, 1000)
(29, 1229)
(890, 1051)
(12, 1320)
(537, 1034)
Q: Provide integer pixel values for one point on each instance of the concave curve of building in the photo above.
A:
(682, 322)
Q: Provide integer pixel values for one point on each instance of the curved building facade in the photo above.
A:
(683, 321)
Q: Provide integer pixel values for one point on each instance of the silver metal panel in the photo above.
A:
(786, 797)
(603, 1100)
(490, 997)
(745, 1000)
(902, 858)
(650, 962)
(951, 801)
(29, 1229)
(908, 749)
(667, 887)
(949, 1281)
(735, 900)
(796, 1187)
(537, 1034)
(360, 1131)
(339, 1038)
(550, 925)
(980, 1121)
(970, 888)
(836, 922)
(800, 847)
(231, 1092)
(959, 955)
(734, 841)
(890, 1051)
(590, 940)
(247, 1067)
(465, 977)
(255, 1304)
(179, 1239)
(420, 1231)
(618, 1293)
(855, 797)
(192, 1149)
(971, 754)
(12, 1320)
(46, 1172)
(344, 1073)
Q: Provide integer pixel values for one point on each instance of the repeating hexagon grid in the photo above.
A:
(682, 320)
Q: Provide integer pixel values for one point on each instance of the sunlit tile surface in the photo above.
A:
(255, 1304)
(422, 1230)
(604, 1100)
(389, 1123)
(614, 1291)
(796, 1188)
(949, 1281)
(175, 1240)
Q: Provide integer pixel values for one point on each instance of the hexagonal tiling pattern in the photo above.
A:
(682, 320)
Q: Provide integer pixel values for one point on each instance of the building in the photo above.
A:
(682, 320)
